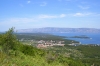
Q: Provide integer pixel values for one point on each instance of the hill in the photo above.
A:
(15, 53)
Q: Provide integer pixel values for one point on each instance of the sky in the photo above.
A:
(25, 14)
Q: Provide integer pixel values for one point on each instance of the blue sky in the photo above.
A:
(23, 14)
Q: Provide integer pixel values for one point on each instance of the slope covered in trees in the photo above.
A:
(14, 53)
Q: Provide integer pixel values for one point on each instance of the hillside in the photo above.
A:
(15, 53)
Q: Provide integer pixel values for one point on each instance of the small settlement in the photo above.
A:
(51, 43)
(45, 44)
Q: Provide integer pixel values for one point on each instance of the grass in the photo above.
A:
(25, 60)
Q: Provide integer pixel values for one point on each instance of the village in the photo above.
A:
(50, 43)
(43, 43)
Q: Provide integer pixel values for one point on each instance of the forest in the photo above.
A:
(16, 53)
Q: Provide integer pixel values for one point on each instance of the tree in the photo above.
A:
(9, 41)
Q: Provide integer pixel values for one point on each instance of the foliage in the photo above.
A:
(9, 41)
(41, 36)
(91, 54)
(14, 53)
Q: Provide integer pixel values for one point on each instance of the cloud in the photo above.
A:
(82, 14)
(43, 4)
(28, 21)
(22, 20)
(63, 15)
(32, 19)
(78, 14)
(28, 2)
(52, 16)
(17, 22)
(84, 7)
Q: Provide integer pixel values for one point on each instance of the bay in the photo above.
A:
(95, 37)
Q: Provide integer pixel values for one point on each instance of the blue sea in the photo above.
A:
(95, 37)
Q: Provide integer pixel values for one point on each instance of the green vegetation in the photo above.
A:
(43, 36)
(91, 53)
(81, 37)
(14, 53)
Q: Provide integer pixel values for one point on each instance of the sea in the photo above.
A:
(94, 37)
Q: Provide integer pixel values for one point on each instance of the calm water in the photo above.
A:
(95, 37)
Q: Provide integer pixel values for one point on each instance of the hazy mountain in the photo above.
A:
(61, 30)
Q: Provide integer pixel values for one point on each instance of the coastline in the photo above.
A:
(91, 38)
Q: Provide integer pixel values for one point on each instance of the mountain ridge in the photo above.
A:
(59, 30)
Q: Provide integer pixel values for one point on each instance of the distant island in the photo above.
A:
(59, 30)
(81, 37)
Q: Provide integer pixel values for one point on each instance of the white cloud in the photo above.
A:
(22, 20)
(78, 14)
(43, 4)
(17, 22)
(84, 7)
(28, 21)
(31, 19)
(82, 14)
(28, 2)
(52, 16)
(63, 15)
